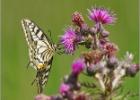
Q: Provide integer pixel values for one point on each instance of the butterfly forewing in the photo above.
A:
(41, 49)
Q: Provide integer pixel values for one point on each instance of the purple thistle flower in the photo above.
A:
(105, 33)
(64, 88)
(78, 66)
(70, 40)
(133, 69)
(101, 15)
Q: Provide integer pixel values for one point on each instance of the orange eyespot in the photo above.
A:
(40, 66)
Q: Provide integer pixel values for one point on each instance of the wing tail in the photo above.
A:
(42, 76)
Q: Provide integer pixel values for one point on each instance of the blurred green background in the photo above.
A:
(55, 15)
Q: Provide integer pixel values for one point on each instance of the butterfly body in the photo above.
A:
(41, 50)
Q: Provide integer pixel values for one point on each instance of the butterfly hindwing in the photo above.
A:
(41, 49)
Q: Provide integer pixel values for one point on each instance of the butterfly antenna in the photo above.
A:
(50, 33)
(33, 81)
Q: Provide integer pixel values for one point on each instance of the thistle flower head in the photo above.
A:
(92, 57)
(70, 40)
(82, 96)
(131, 71)
(104, 33)
(112, 61)
(64, 88)
(110, 48)
(78, 66)
(101, 15)
(77, 19)
(129, 57)
(42, 97)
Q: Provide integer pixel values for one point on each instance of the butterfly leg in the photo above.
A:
(38, 83)
(27, 66)
(33, 81)
(60, 52)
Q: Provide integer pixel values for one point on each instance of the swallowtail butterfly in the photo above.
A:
(41, 51)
